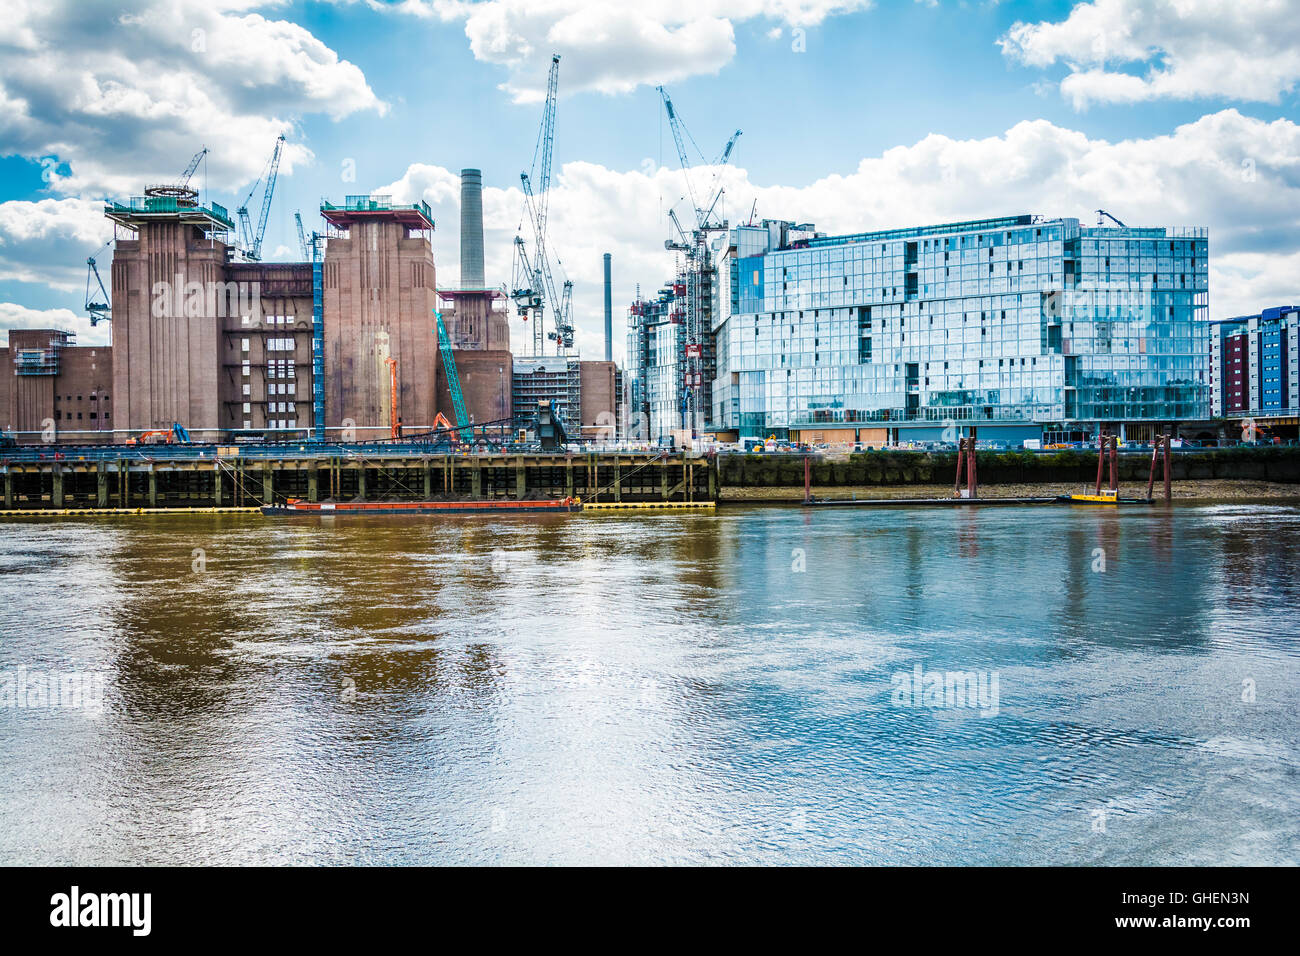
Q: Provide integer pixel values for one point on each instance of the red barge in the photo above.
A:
(296, 506)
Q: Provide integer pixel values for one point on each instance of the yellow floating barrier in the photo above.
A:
(106, 512)
(650, 506)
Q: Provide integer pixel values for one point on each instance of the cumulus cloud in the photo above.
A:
(124, 91)
(13, 316)
(1181, 49)
(1238, 175)
(47, 241)
(611, 47)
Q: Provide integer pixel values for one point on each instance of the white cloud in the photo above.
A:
(13, 316)
(47, 241)
(126, 91)
(1235, 49)
(611, 47)
(1238, 175)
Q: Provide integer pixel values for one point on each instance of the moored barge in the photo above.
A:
(296, 506)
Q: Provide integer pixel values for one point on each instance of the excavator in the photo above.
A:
(178, 434)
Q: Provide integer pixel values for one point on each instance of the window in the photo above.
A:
(248, 408)
(243, 345)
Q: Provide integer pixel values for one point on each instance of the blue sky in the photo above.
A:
(894, 114)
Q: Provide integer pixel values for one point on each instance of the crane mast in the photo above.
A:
(194, 164)
(534, 283)
(253, 241)
(302, 237)
(96, 309)
(698, 268)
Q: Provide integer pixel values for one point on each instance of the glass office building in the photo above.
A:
(656, 352)
(1020, 325)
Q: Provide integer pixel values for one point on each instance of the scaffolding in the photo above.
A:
(42, 361)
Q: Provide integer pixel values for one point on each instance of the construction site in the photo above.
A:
(356, 341)
(355, 350)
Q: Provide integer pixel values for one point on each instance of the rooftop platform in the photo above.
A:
(362, 208)
(143, 209)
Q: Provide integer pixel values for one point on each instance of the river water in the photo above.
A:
(666, 688)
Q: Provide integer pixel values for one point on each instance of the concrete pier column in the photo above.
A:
(123, 484)
(361, 481)
(153, 486)
(428, 479)
(476, 479)
(9, 488)
(618, 480)
(101, 485)
(313, 482)
(56, 493)
(568, 477)
(521, 478)
(267, 483)
(713, 479)
(663, 481)
(216, 484)
(690, 479)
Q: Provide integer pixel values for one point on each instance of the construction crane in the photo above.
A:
(189, 170)
(680, 133)
(96, 309)
(453, 379)
(253, 241)
(1103, 215)
(673, 245)
(527, 291)
(698, 285)
(302, 237)
(534, 281)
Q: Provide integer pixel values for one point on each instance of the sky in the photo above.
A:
(855, 115)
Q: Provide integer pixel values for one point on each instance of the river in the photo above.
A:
(655, 688)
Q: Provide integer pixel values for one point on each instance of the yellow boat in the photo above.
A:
(1105, 498)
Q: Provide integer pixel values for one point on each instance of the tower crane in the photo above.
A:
(672, 245)
(1103, 215)
(465, 429)
(680, 135)
(698, 285)
(253, 241)
(302, 237)
(534, 281)
(189, 170)
(96, 309)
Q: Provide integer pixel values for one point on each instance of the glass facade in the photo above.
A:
(1018, 320)
(656, 353)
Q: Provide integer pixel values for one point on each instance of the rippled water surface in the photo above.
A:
(659, 688)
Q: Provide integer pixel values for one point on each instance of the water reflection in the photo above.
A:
(667, 688)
